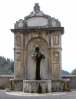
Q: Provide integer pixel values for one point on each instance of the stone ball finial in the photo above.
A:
(36, 8)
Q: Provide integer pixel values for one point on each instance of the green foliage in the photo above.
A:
(73, 72)
(6, 66)
(64, 72)
(66, 86)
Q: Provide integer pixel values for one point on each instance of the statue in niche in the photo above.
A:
(38, 56)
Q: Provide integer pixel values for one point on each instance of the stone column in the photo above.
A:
(56, 55)
(18, 55)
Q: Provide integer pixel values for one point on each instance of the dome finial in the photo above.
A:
(36, 7)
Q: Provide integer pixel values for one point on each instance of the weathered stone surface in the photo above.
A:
(34, 86)
(37, 18)
(37, 29)
(49, 45)
(16, 85)
(31, 65)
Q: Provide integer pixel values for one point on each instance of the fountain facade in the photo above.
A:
(37, 51)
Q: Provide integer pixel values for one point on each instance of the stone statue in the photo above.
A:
(38, 56)
(36, 8)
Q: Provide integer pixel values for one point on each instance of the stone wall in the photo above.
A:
(5, 81)
(71, 79)
(37, 86)
(16, 85)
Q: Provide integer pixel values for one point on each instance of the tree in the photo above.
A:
(64, 72)
(6, 66)
(12, 66)
(73, 72)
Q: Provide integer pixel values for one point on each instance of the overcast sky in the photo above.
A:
(64, 10)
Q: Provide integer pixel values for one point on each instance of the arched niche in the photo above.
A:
(31, 64)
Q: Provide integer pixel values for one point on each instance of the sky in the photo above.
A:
(63, 10)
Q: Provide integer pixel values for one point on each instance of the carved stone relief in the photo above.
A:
(18, 40)
(56, 39)
(56, 57)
